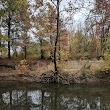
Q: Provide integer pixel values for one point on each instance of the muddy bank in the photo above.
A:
(62, 78)
(42, 71)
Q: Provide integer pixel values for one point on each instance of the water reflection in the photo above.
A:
(51, 97)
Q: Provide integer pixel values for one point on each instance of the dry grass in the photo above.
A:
(42, 66)
(74, 67)
(38, 66)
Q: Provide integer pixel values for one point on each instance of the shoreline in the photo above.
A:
(62, 78)
(70, 72)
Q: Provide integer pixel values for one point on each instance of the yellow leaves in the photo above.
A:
(51, 7)
(3, 37)
(49, 31)
(107, 56)
(22, 67)
(40, 33)
(64, 54)
(46, 48)
(3, 49)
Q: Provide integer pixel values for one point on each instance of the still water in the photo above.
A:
(54, 97)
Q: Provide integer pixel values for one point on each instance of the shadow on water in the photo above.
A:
(54, 97)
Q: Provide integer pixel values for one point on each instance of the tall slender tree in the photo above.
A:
(15, 19)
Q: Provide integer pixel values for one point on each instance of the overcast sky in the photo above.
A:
(80, 16)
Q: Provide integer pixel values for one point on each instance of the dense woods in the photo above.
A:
(46, 30)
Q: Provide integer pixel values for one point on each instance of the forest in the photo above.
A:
(64, 41)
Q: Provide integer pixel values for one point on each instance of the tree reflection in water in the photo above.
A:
(55, 97)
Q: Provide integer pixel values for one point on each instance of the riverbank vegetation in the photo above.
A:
(41, 39)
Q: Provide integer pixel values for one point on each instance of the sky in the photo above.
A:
(80, 15)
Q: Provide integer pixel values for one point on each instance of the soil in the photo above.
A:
(42, 71)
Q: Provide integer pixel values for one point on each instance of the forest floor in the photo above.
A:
(42, 71)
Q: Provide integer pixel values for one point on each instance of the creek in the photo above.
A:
(34, 96)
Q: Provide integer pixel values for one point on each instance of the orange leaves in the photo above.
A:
(103, 10)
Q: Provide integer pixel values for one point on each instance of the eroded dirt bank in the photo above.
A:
(62, 78)
(42, 71)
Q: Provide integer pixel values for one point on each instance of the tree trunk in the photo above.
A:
(51, 51)
(0, 38)
(9, 29)
(16, 54)
(42, 101)
(56, 40)
(0, 45)
(10, 100)
(41, 51)
(51, 40)
(59, 57)
(25, 52)
(102, 41)
(1, 101)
